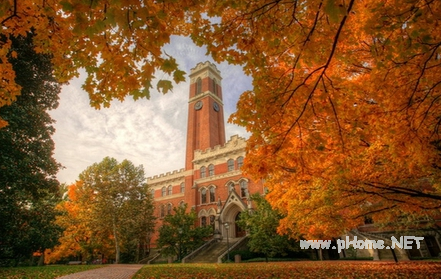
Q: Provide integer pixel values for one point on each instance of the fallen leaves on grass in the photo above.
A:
(309, 269)
(42, 272)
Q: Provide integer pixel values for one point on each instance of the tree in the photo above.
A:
(28, 186)
(178, 234)
(344, 114)
(261, 225)
(110, 204)
(80, 239)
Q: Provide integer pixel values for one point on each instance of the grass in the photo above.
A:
(300, 269)
(297, 269)
(42, 272)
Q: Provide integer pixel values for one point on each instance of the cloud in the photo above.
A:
(151, 132)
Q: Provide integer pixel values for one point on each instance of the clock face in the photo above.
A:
(198, 105)
(215, 106)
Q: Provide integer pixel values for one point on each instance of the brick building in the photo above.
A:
(211, 182)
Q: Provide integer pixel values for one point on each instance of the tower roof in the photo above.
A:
(203, 66)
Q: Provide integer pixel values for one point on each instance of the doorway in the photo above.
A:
(239, 231)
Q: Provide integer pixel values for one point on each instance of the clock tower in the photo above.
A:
(206, 127)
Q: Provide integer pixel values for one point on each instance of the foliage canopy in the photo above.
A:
(344, 114)
(178, 235)
(108, 207)
(29, 190)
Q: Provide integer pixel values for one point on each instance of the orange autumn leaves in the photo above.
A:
(301, 269)
(118, 43)
(344, 114)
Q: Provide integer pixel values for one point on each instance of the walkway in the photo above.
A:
(115, 271)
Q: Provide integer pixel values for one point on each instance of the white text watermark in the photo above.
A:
(405, 242)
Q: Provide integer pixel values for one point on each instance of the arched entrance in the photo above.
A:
(229, 214)
(239, 231)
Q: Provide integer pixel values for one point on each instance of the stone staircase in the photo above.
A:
(383, 254)
(211, 253)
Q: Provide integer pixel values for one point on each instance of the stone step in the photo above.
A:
(211, 254)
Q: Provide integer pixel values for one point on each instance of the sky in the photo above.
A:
(150, 132)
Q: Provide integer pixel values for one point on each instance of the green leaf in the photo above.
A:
(333, 10)
(169, 65)
(67, 6)
(179, 76)
(164, 86)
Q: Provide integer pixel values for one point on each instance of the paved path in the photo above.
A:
(115, 271)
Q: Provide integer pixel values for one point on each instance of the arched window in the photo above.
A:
(214, 87)
(170, 191)
(204, 195)
(210, 170)
(152, 193)
(239, 162)
(182, 187)
(202, 172)
(181, 204)
(169, 209)
(212, 194)
(230, 164)
(243, 188)
(198, 86)
(203, 221)
(163, 191)
(162, 214)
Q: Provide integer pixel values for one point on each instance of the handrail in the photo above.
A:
(195, 252)
(219, 259)
(154, 258)
(383, 237)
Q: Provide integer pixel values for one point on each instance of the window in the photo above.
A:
(210, 170)
(230, 164)
(239, 162)
(152, 192)
(212, 194)
(243, 189)
(162, 214)
(163, 191)
(181, 204)
(214, 87)
(170, 191)
(182, 187)
(212, 218)
(231, 187)
(198, 86)
(169, 209)
(202, 172)
(203, 221)
(204, 195)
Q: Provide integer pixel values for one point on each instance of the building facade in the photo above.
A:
(211, 181)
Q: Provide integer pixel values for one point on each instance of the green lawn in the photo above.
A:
(297, 270)
(42, 272)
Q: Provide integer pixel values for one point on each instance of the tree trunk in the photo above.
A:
(115, 235)
(41, 260)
